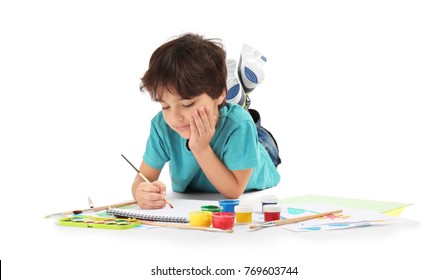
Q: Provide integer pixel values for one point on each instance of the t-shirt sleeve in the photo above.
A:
(242, 148)
(156, 154)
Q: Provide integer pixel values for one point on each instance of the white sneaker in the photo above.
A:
(251, 68)
(235, 93)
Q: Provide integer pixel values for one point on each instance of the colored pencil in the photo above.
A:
(94, 209)
(144, 178)
(181, 226)
(293, 220)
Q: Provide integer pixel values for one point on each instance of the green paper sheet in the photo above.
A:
(386, 207)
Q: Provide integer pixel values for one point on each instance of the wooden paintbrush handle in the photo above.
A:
(184, 226)
(294, 220)
(304, 218)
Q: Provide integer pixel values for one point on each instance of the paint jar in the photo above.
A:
(268, 200)
(272, 212)
(211, 208)
(244, 214)
(228, 204)
(200, 218)
(223, 220)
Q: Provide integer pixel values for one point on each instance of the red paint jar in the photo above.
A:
(223, 220)
(272, 212)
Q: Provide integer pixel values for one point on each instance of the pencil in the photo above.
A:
(181, 226)
(293, 220)
(100, 208)
(144, 178)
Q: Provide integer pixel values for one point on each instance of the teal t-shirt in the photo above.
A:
(235, 142)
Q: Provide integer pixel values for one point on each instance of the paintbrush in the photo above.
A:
(90, 203)
(292, 220)
(180, 226)
(94, 209)
(144, 178)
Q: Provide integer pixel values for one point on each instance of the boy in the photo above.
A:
(211, 146)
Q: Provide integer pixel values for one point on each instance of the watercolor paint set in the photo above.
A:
(98, 222)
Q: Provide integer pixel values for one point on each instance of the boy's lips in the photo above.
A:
(181, 127)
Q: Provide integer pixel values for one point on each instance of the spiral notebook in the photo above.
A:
(148, 216)
(178, 214)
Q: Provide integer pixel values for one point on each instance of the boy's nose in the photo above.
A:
(178, 116)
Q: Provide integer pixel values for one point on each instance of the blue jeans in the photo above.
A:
(266, 138)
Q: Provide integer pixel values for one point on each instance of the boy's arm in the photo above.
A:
(150, 173)
(230, 184)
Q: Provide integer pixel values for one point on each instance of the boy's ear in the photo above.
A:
(218, 101)
(221, 98)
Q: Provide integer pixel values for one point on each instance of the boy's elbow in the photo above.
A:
(235, 194)
(237, 188)
(239, 184)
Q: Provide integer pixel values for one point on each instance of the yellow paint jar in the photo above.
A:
(200, 218)
(244, 214)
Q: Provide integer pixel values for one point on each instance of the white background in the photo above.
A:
(355, 94)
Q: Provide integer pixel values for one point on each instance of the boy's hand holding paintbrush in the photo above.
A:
(150, 195)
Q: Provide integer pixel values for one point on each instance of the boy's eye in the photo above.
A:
(188, 105)
(164, 107)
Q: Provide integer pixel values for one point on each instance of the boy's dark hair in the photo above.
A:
(190, 65)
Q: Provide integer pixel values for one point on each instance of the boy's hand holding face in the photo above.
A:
(203, 127)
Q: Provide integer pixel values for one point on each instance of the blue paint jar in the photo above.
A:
(228, 205)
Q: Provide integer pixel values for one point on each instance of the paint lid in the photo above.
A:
(243, 208)
(272, 208)
(211, 208)
(269, 199)
(229, 202)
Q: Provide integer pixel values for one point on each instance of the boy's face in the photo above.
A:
(178, 112)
